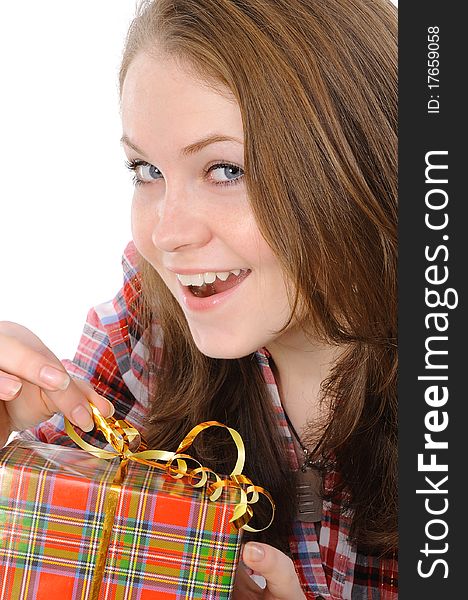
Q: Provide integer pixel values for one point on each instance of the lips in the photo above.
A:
(210, 299)
(218, 286)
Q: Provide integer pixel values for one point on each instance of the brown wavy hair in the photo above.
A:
(316, 83)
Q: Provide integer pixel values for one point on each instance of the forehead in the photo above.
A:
(163, 98)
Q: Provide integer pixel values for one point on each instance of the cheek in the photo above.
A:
(141, 225)
(274, 284)
(269, 265)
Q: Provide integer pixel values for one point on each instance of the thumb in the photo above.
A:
(277, 569)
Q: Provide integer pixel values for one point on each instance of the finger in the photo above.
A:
(244, 587)
(105, 406)
(34, 405)
(31, 361)
(24, 355)
(4, 429)
(10, 386)
(259, 580)
(74, 403)
(277, 568)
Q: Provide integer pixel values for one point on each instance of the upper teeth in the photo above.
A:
(201, 278)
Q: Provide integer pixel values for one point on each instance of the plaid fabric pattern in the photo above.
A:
(169, 541)
(112, 355)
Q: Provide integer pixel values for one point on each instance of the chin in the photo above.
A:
(227, 350)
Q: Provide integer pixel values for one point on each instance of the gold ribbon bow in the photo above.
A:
(124, 439)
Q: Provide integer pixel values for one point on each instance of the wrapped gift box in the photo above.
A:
(168, 540)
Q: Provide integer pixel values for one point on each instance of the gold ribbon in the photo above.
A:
(124, 439)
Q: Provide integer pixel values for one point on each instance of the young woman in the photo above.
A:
(260, 286)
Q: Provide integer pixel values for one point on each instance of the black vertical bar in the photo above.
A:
(432, 299)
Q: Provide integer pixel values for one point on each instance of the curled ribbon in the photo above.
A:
(123, 437)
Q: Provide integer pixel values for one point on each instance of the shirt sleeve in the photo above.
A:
(111, 356)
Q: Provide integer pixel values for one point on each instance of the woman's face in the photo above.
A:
(191, 217)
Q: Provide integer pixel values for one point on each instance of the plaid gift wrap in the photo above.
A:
(168, 540)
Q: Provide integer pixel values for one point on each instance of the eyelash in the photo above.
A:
(133, 164)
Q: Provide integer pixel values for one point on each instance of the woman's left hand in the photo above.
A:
(277, 569)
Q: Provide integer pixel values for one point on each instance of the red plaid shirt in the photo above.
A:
(112, 356)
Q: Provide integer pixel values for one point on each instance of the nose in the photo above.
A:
(180, 221)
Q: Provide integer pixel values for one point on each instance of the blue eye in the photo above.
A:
(143, 171)
(233, 173)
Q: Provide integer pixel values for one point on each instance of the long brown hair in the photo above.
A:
(316, 84)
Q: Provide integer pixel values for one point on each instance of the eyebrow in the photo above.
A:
(191, 148)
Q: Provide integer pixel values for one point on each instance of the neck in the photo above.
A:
(300, 365)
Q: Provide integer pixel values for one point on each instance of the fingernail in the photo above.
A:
(111, 409)
(9, 387)
(81, 416)
(259, 580)
(58, 380)
(253, 552)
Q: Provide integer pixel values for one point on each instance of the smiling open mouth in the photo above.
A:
(218, 286)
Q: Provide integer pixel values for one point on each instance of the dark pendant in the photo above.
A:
(309, 483)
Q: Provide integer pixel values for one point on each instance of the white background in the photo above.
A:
(64, 191)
